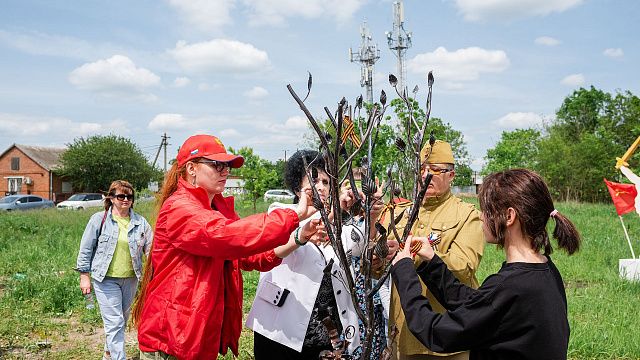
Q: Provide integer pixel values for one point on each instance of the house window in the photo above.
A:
(15, 163)
(15, 185)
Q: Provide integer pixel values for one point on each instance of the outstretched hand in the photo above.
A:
(425, 251)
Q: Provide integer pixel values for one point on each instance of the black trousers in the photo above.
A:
(267, 349)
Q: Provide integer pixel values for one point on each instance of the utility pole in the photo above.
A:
(399, 41)
(164, 143)
(367, 56)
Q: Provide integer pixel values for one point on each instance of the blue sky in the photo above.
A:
(141, 68)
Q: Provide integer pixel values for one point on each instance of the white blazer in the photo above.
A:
(301, 273)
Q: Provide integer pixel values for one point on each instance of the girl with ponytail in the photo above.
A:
(518, 313)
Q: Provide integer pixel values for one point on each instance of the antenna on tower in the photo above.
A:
(367, 56)
(399, 41)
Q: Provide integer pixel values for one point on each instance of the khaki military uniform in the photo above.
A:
(462, 242)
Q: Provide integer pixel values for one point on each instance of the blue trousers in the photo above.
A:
(114, 296)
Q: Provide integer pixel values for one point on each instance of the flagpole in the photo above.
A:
(633, 255)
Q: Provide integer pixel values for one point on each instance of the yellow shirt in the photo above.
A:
(121, 265)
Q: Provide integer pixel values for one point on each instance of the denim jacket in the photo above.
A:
(96, 253)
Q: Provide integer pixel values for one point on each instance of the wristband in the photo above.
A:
(297, 239)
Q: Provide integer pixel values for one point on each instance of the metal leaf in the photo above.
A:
(396, 191)
(355, 237)
(309, 83)
(381, 230)
(432, 138)
(400, 144)
(368, 186)
(383, 98)
(342, 102)
(364, 162)
(381, 249)
(359, 102)
(393, 80)
(415, 90)
(430, 79)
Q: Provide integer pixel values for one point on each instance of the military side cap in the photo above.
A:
(440, 154)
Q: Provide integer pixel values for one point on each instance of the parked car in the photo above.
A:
(82, 201)
(24, 202)
(279, 195)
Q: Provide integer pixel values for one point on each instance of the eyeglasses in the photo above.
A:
(435, 170)
(121, 197)
(218, 165)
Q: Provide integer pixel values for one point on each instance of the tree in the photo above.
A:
(93, 163)
(516, 149)
(259, 175)
(591, 129)
(442, 131)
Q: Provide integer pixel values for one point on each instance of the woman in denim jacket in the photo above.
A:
(111, 251)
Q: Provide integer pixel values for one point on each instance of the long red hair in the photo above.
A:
(168, 188)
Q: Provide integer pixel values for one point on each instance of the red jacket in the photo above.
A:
(193, 305)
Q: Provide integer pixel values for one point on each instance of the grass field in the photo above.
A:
(43, 313)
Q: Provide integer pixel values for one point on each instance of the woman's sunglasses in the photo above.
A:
(121, 197)
(218, 165)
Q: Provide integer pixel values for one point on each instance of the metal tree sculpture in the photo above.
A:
(351, 134)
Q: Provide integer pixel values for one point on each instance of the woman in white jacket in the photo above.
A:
(293, 298)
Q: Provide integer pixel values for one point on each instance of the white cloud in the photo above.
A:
(573, 80)
(165, 122)
(256, 93)
(205, 15)
(275, 12)
(54, 127)
(116, 76)
(614, 53)
(507, 10)
(547, 41)
(181, 81)
(296, 122)
(519, 120)
(219, 56)
(463, 65)
(37, 43)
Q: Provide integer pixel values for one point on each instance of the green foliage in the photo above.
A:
(259, 175)
(441, 130)
(516, 149)
(592, 128)
(92, 163)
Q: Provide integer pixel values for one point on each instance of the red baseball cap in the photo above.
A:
(208, 147)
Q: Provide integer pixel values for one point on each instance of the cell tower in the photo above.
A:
(399, 41)
(367, 56)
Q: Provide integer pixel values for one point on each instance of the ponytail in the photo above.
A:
(566, 233)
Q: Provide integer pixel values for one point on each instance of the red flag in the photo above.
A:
(623, 196)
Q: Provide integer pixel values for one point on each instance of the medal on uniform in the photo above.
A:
(434, 239)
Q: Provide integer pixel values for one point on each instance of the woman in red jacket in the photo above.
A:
(190, 304)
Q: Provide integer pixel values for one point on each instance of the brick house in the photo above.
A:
(29, 170)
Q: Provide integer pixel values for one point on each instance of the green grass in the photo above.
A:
(43, 314)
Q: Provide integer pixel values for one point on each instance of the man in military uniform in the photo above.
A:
(459, 228)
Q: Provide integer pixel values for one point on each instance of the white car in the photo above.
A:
(279, 195)
(82, 201)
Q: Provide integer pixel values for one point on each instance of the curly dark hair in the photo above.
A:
(294, 169)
